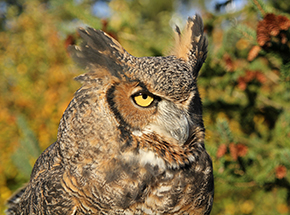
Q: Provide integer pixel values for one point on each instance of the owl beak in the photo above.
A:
(181, 133)
(171, 122)
(171, 127)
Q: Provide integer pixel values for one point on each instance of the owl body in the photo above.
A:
(132, 139)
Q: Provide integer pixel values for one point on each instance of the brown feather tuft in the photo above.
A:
(192, 45)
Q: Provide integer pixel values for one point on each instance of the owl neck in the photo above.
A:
(154, 149)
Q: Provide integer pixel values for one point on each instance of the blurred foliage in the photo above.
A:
(244, 84)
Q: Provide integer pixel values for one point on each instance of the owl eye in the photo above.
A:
(143, 99)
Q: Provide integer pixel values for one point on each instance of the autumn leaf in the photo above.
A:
(233, 151)
(253, 53)
(242, 150)
(283, 22)
(221, 150)
(271, 24)
(281, 171)
(263, 35)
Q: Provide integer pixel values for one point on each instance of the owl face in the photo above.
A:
(156, 99)
(152, 98)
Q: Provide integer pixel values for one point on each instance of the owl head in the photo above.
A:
(150, 101)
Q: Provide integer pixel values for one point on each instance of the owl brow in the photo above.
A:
(145, 89)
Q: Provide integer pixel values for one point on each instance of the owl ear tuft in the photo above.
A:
(99, 53)
(192, 45)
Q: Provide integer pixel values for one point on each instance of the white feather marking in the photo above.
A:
(191, 158)
(164, 188)
(157, 129)
(137, 133)
(197, 168)
(147, 210)
(207, 170)
(169, 175)
(149, 157)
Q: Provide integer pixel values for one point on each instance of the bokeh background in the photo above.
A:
(244, 85)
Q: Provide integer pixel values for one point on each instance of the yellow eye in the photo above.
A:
(143, 99)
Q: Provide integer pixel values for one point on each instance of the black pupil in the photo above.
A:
(144, 96)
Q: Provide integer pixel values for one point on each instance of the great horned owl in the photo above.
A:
(131, 141)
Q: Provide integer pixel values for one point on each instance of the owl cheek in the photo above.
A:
(126, 112)
(135, 118)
